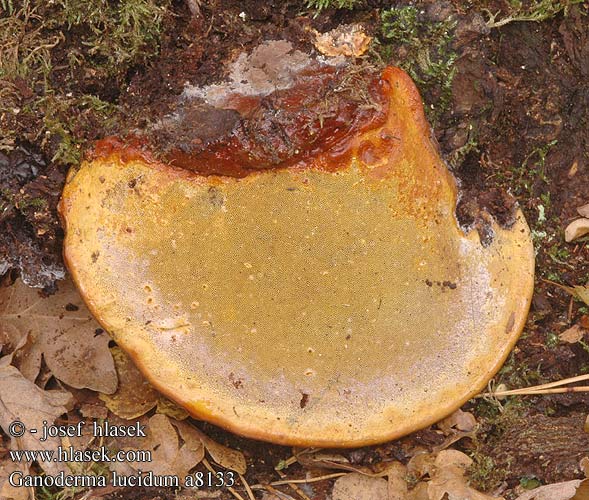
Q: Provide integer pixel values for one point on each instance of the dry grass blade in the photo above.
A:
(536, 392)
(558, 383)
(300, 481)
(549, 388)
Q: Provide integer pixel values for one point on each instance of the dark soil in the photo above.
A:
(516, 132)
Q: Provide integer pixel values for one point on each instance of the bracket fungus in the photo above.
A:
(327, 299)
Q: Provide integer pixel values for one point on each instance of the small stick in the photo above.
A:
(276, 492)
(250, 493)
(288, 462)
(231, 490)
(294, 487)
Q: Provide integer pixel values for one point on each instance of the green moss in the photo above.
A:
(495, 418)
(472, 144)
(516, 375)
(115, 35)
(24, 46)
(35, 203)
(559, 253)
(552, 340)
(423, 49)
(537, 11)
(513, 375)
(57, 112)
(483, 473)
(532, 170)
(25, 56)
(40, 41)
(19, 202)
(584, 345)
(529, 482)
(399, 24)
(320, 5)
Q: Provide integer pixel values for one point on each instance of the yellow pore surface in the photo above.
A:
(302, 306)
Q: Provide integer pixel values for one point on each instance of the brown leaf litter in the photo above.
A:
(579, 227)
(59, 329)
(21, 400)
(175, 448)
(134, 396)
(427, 476)
(573, 334)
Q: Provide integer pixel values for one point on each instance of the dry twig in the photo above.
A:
(231, 490)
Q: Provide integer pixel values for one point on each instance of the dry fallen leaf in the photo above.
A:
(421, 464)
(88, 403)
(356, 486)
(9, 492)
(427, 476)
(276, 496)
(582, 293)
(192, 494)
(60, 328)
(22, 400)
(171, 409)
(169, 455)
(582, 491)
(88, 410)
(190, 436)
(119, 443)
(397, 485)
(80, 441)
(579, 292)
(322, 459)
(447, 478)
(225, 457)
(460, 420)
(418, 492)
(572, 335)
(135, 396)
(349, 40)
(576, 229)
(567, 490)
(584, 210)
(585, 460)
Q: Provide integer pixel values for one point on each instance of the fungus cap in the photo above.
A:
(307, 306)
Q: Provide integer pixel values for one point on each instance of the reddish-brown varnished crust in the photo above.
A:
(320, 116)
